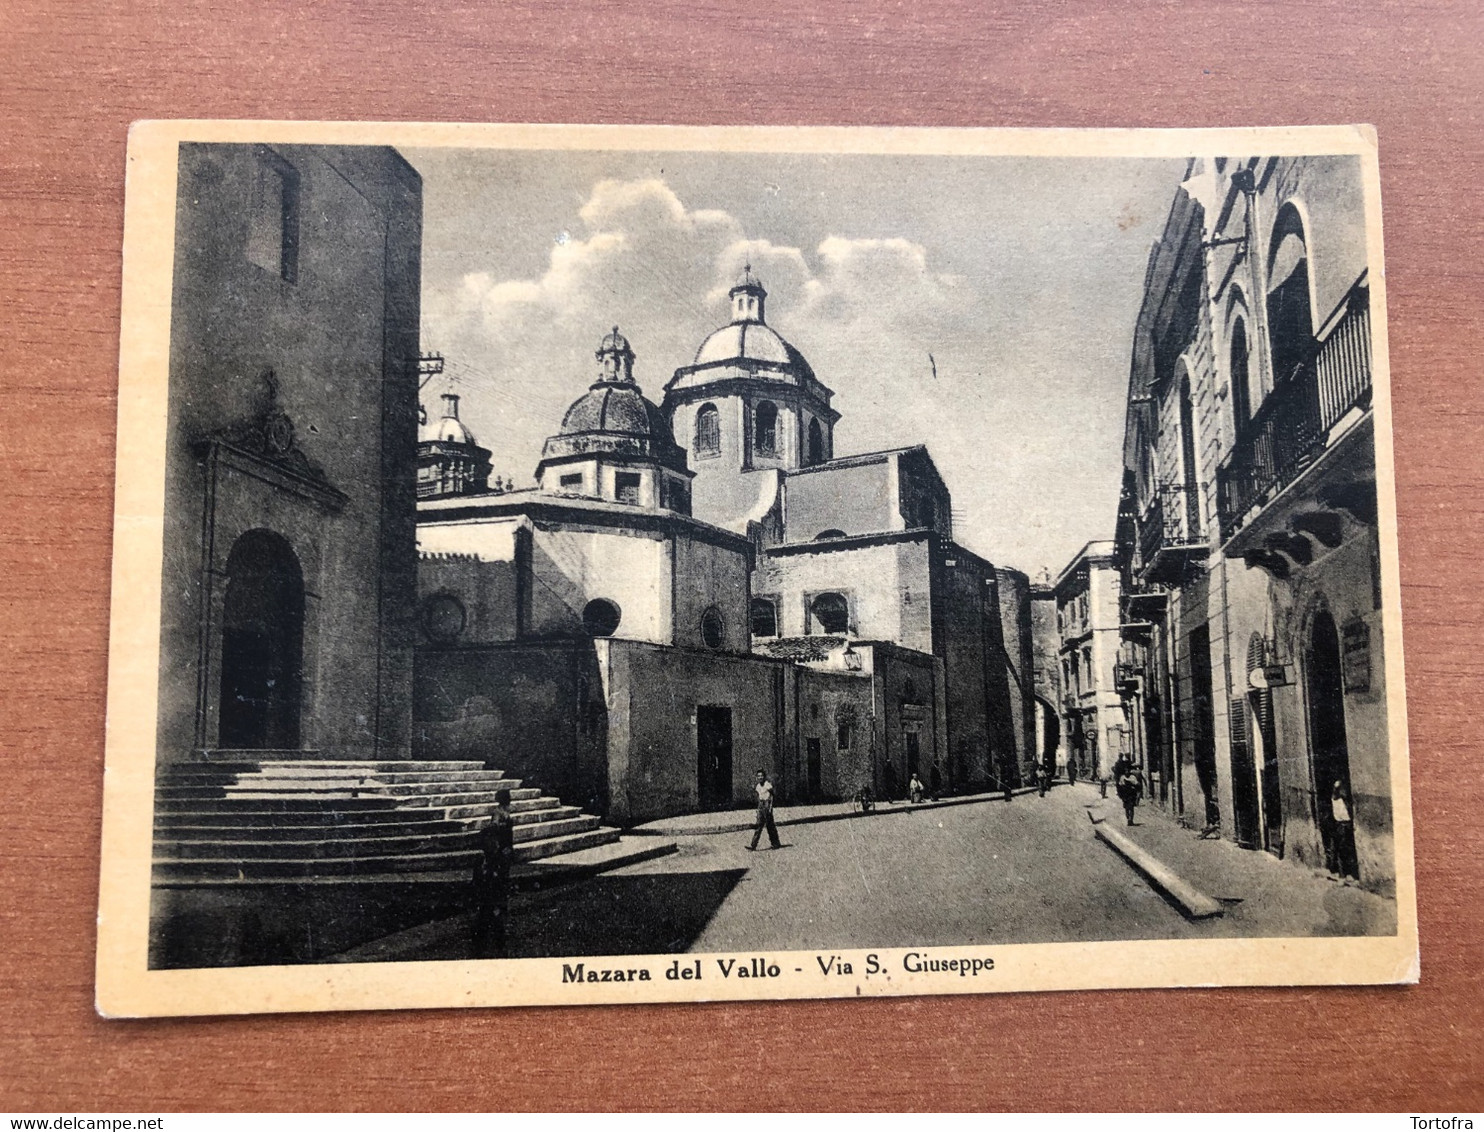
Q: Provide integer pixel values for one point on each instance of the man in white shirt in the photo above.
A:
(764, 790)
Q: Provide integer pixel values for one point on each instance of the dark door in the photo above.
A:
(914, 752)
(714, 756)
(1329, 751)
(1200, 724)
(1244, 777)
(262, 645)
(1265, 733)
(816, 785)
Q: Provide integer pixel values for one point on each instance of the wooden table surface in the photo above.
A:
(73, 76)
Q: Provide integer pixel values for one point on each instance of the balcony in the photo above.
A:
(1293, 426)
(1171, 537)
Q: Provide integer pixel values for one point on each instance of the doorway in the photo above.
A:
(714, 756)
(262, 645)
(1329, 751)
(812, 769)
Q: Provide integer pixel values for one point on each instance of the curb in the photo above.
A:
(1194, 903)
(881, 808)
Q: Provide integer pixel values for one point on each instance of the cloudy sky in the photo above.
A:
(1020, 276)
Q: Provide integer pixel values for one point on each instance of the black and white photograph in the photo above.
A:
(625, 564)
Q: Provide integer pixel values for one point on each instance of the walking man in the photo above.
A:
(492, 880)
(764, 790)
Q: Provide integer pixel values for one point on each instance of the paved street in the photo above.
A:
(990, 872)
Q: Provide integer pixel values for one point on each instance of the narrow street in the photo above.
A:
(1028, 871)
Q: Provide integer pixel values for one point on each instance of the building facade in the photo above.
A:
(289, 556)
(1087, 615)
(1247, 531)
(701, 589)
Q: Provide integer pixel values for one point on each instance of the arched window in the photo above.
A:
(828, 533)
(1290, 317)
(1190, 486)
(708, 431)
(600, 617)
(713, 629)
(765, 430)
(764, 617)
(1242, 400)
(831, 613)
(816, 443)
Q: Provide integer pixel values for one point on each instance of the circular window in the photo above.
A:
(444, 618)
(713, 628)
(600, 617)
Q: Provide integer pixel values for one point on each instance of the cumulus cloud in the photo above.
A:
(871, 313)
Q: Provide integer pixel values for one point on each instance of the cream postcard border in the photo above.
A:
(126, 987)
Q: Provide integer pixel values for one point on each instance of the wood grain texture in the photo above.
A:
(72, 77)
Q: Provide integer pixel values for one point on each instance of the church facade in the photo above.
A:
(699, 589)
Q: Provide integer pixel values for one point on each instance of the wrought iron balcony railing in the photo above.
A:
(1292, 427)
(1171, 534)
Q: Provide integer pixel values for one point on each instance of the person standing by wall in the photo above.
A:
(764, 790)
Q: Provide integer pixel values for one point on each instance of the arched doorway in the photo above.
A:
(262, 645)
(1328, 749)
(1290, 317)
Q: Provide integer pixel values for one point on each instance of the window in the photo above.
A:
(765, 433)
(831, 613)
(1290, 319)
(1242, 399)
(909, 691)
(626, 487)
(844, 733)
(764, 617)
(832, 532)
(273, 219)
(708, 431)
(816, 443)
(678, 492)
(571, 485)
(713, 629)
(600, 617)
(443, 618)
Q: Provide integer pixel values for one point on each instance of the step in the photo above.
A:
(203, 829)
(365, 765)
(551, 846)
(255, 850)
(350, 787)
(291, 775)
(335, 799)
(235, 818)
(177, 869)
(275, 805)
(518, 807)
(560, 827)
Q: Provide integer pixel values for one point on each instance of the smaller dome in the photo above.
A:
(612, 407)
(447, 429)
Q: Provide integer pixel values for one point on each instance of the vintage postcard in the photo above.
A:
(595, 564)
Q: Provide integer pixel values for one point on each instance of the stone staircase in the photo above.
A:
(291, 820)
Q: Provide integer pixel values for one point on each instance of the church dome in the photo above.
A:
(447, 429)
(610, 407)
(755, 341)
(613, 417)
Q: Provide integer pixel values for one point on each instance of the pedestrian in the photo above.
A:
(1071, 771)
(914, 788)
(764, 791)
(492, 880)
(1345, 862)
(1129, 787)
(1043, 779)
